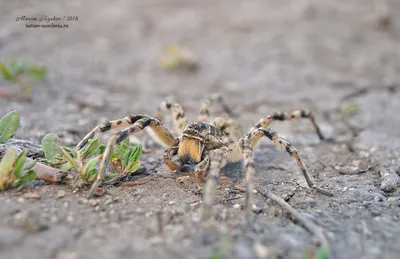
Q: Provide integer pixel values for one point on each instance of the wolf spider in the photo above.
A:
(209, 146)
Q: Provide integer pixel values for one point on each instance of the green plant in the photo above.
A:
(22, 73)
(8, 125)
(321, 253)
(15, 170)
(87, 159)
(349, 108)
(128, 157)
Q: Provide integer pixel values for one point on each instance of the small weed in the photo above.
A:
(14, 170)
(125, 159)
(349, 109)
(321, 253)
(22, 73)
(8, 125)
(176, 57)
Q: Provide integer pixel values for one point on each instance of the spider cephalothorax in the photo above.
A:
(208, 145)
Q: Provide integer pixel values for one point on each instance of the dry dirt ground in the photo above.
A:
(263, 56)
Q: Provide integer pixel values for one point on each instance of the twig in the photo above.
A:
(297, 217)
(49, 174)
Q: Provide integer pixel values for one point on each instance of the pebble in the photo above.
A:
(261, 251)
(20, 200)
(108, 201)
(390, 181)
(31, 195)
(236, 206)
(60, 194)
(394, 200)
(70, 218)
(93, 203)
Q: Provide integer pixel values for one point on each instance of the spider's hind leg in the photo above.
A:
(206, 107)
(283, 144)
(282, 116)
(177, 113)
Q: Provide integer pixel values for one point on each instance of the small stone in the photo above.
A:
(390, 181)
(236, 206)
(20, 200)
(60, 194)
(67, 255)
(108, 201)
(32, 195)
(83, 201)
(256, 209)
(260, 250)
(171, 202)
(70, 218)
(394, 200)
(157, 240)
(255, 191)
(93, 203)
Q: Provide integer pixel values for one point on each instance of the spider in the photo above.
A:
(208, 145)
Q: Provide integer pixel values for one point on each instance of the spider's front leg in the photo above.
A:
(168, 159)
(161, 132)
(217, 161)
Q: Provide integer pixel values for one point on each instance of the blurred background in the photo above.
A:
(263, 56)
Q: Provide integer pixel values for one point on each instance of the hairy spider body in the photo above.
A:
(209, 146)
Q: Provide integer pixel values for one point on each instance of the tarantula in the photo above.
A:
(209, 146)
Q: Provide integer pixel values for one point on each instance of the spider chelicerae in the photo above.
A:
(210, 145)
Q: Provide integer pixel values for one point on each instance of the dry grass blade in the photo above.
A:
(298, 218)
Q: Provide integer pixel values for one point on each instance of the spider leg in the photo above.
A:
(283, 144)
(229, 127)
(201, 168)
(217, 161)
(282, 116)
(250, 171)
(206, 107)
(138, 126)
(177, 113)
(168, 154)
(161, 132)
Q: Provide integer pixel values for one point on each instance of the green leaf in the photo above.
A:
(132, 167)
(323, 252)
(122, 149)
(94, 148)
(28, 165)
(6, 166)
(127, 155)
(19, 163)
(29, 176)
(51, 147)
(68, 157)
(110, 176)
(7, 74)
(135, 154)
(70, 150)
(19, 66)
(8, 125)
(36, 72)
